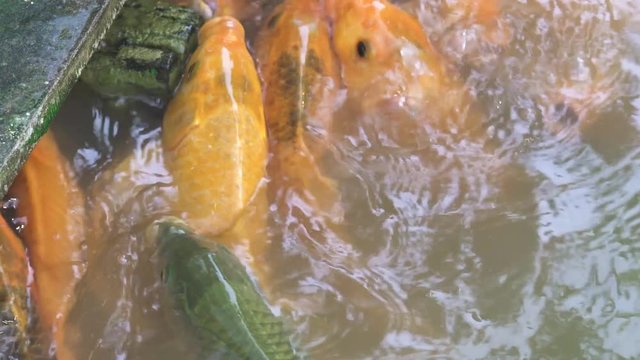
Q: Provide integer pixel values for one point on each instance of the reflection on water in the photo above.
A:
(519, 245)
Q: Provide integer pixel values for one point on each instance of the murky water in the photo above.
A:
(520, 244)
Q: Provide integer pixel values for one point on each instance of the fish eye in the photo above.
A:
(191, 71)
(274, 19)
(362, 49)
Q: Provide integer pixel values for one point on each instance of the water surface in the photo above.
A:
(519, 245)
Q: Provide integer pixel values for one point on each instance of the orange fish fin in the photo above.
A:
(298, 169)
(53, 205)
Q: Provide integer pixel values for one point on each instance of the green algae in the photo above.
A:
(144, 52)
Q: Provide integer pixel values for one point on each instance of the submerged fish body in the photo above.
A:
(53, 204)
(214, 135)
(484, 12)
(221, 303)
(472, 33)
(14, 314)
(385, 56)
(488, 14)
(299, 69)
(127, 192)
(301, 90)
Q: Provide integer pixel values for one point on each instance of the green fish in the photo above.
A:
(211, 287)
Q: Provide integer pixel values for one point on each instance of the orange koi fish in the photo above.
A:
(301, 90)
(385, 55)
(52, 203)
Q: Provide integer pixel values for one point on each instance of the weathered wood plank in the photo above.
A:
(44, 44)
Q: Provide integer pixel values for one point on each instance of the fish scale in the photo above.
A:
(214, 133)
(220, 301)
(301, 86)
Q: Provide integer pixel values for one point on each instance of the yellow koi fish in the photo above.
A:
(301, 88)
(52, 203)
(214, 135)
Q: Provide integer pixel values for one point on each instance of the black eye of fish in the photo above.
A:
(274, 19)
(362, 49)
(565, 114)
(191, 70)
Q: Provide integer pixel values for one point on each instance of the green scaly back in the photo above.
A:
(221, 303)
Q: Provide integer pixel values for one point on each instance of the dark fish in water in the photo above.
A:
(213, 290)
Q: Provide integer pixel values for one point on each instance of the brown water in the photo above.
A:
(520, 246)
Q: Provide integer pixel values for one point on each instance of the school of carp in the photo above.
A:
(234, 121)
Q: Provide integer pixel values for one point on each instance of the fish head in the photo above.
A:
(178, 244)
(288, 19)
(222, 29)
(299, 30)
(383, 52)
